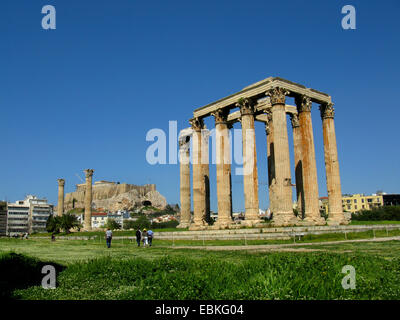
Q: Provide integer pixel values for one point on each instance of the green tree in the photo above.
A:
(53, 224)
(112, 224)
(68, 221)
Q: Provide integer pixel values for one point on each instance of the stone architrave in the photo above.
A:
(88, 199)
(335, 215)
(298, 164)
(309, 165)
(60, 205)
(250, 175)
(223, 169)
(199, 192)
(282, 186)
(184, 163)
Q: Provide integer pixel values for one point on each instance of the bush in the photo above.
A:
(164, 225)
(389, 213)
(141, 222)
(112, 224)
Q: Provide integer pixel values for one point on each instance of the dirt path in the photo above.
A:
(285, 246)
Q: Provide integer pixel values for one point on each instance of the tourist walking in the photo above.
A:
(108, 237)
(150, 237)
(145, 237)
(138, 236)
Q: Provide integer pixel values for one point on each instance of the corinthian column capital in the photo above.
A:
(303, 103)
(220, 116)
(88, 172)
(327, 111)
(246, 105)
(294, 118)
(61, 182)
(277, 95)
(197, 124)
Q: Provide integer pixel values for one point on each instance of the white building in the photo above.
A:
(27, 216)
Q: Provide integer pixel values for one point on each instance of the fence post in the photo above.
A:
(387, 232)
(173, 239)
(373, 230)
(203, 240)
(345, 235)
(245, 240)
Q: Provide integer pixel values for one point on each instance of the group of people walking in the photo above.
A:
(146, 236)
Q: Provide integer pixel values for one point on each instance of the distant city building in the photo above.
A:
(391, 199)
(27, 216)
(99, 219)
(3, 218)
(357, 202)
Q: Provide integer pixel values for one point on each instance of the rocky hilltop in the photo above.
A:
(114, 196)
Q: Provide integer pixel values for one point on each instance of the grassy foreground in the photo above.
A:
(88, 270)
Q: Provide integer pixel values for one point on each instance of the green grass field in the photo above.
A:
(88, 270)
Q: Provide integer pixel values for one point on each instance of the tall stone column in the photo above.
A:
(205, 161)
(309, 165)
(223, 169)
(60, 205)
(336, 215)
(184, 163)
(250, 176)
(270, 158)
(199, 192)
(298, 164)
(282, 187)
(88, 199)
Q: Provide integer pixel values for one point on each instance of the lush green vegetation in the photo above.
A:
(391, 213)
(358, 222)
(65, 222)
(88, 270)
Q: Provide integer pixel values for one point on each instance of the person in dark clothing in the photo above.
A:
(108, 237)
(138, 236)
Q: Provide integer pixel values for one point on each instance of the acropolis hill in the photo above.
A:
(114, 196)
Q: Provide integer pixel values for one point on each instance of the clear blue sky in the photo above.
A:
(85, 95)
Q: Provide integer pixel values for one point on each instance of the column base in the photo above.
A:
(337, 220)
(250, 222)
(222, 224)
(284, 219)
(183, 225)
(315, 221)
(197, 227)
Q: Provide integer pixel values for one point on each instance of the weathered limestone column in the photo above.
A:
(309, 165)
(223, 169)
(60, 205)
(283, 214)
(88, 199)
(270, 157)
(298, 164)
(184, 163)
(250, 176)
(205, 161)
(199, 202)
(336, 215)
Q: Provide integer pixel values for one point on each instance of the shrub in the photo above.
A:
(112, 224)
(390, 213)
